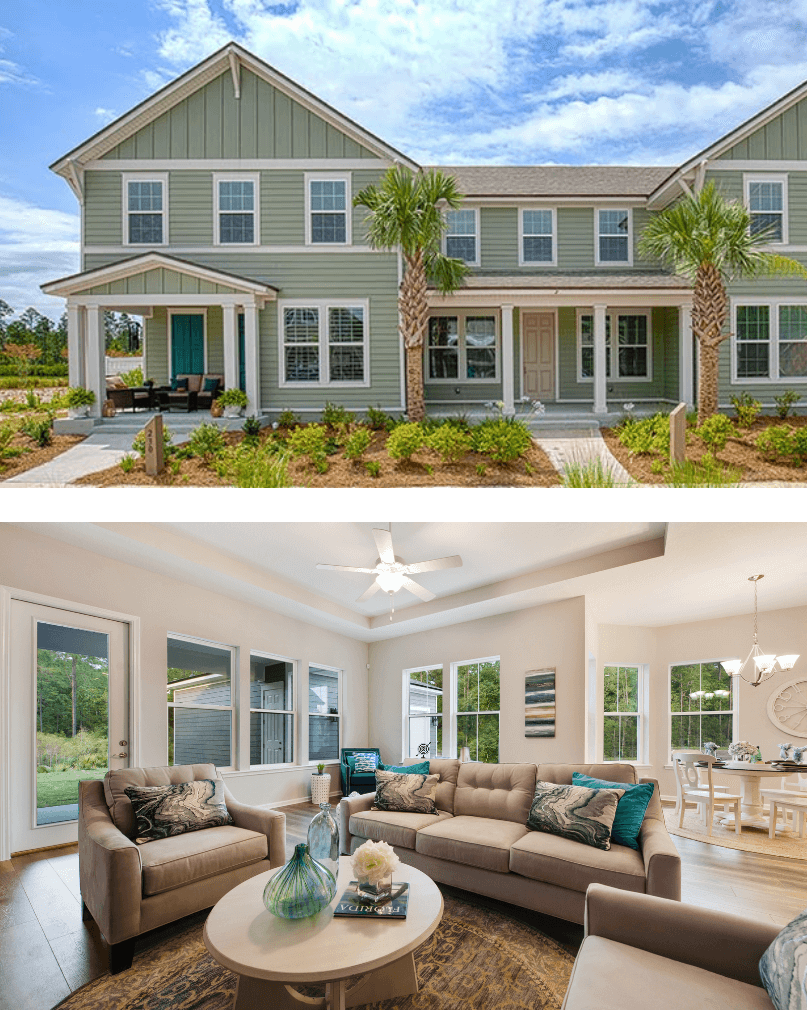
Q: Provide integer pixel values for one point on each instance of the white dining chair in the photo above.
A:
(689, 788)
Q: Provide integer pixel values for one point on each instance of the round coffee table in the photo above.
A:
(270, 955)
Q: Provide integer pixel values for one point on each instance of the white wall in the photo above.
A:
(552, 635)
(32, 562)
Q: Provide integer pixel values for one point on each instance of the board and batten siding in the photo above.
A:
(783, 138)
(213, 123)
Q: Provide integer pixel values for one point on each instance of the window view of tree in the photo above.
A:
(621, 713)
(426, 711)
(701, 706)
(478, 709)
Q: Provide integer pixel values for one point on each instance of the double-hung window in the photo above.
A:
(236, 210)
(613, 236)
(538, 237)
(271, 710)
(631, 349)
(328, 202)
(462, 235)
(424, 690)
(324, 713)
(621, 713)
(701, 706)
(200, 702)
(476, 708)
(463, 346)
(766, 199)
(145, 201)
(771, 341)
(324, 344)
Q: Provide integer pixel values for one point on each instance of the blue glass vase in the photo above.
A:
(302, 888)
(323, 839)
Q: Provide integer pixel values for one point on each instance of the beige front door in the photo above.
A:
(538, 333)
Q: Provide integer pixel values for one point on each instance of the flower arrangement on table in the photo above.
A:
(373, 863)
(741, 750)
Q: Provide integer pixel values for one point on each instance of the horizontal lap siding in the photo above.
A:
(156, 347)
(190, 208)
(499, 238)
(103, 211)
(575, 238)
(668, 325)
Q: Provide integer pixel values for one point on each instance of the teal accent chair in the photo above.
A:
(363, 782)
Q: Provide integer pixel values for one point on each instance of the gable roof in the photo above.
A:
(556, 180)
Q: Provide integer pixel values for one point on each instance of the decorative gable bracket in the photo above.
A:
(235, 70)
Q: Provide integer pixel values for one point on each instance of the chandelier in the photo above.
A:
(764, 665)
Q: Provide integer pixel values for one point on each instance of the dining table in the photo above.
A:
(751, 776)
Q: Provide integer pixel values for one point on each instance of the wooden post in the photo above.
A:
(154, 445)
(678, 434)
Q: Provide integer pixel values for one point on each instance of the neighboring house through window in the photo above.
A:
(424, 691)
(200, 702)
(324, 713)
(328, 203)
(613, 236)
(476, 708)
(236, 213)
(324, 344)
(766, 199)
(145, 201)
(271, 710)
(537, 244)
(632, 347)
(770, 341)
(462, 235)
(463, 347)
(701, 706)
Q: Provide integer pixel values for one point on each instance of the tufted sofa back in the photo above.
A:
(502, 792)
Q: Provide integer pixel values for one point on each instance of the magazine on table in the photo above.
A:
(351, 904)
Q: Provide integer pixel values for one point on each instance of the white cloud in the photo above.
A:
(105, 115)
(12, 73)
(574, 85)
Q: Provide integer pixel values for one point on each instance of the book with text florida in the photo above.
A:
(351, 905)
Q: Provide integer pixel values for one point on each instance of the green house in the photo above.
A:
(221, 210)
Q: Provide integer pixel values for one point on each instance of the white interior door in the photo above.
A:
(69, 703)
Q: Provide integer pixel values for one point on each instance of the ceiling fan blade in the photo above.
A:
(413, 587)
(383, 541)
(371, 591)
(346, 568)
(455, 561)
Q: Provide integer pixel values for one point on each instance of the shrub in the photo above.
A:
(504, 440)
(335, 415)
(592, 473)
(127, 463)
(373, 467)
(451, 441)
(747, 409)
(287, 419)
(781, 442)
(17, 382)
(233, 398)
(715, 432)
(404, 440)
(481, 469)
(357, 443)
(139, 443)
(39, 430)
(657, 466)
(706, 473)
(378, 420)
(251, 429)
(78, 396)
(254, 466)
(647, 435)
(785, 402)
(206, 440)
(310, 441)
(800, 445)
(134, 377)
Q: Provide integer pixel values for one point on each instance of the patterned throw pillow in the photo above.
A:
(411, 794)
(575, 812)
(783, 966)
(365, 763)
(630, 810)
(162, 811)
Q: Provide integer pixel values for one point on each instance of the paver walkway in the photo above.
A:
(581, 445)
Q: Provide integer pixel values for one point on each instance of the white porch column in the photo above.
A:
(230, 347)
(685, 356)
(75, 348)
(600, 391)
(96, 380)
(507, 360)
(251, 363)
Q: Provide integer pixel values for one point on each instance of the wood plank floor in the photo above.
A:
(46, 951)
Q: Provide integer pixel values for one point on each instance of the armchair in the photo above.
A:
(129, 889)
(361, 782)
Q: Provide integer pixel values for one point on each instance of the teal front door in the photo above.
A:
(242, 372)
(187, 345)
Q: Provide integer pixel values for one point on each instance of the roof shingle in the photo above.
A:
(556, 180)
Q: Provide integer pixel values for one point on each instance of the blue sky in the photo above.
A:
(446, 81)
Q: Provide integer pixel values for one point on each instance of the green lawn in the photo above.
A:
(54, 789)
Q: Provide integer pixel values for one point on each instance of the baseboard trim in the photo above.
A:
(333, 797)
(45, 848)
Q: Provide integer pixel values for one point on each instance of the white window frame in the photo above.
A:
(274, 711)
(522, 262)
(749, 178)
(773, 305)
(322, 305)
(642, 714)
(255, 179)
(232, 708)
(613, 344)
(462, 361)
(598, 234)
(735, 711)
(346, 178)
(126, 178)
(407, 711)
(477, 236)
(309, 762)
(453, 706)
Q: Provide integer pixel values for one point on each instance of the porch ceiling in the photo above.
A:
(570, 289)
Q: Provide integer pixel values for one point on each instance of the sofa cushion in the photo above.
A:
(474, 841)
(172, 862)
(117, 779)
(164, 811)
(392, 826)
(630, 809)
(571, 864)
(194, 382)
(447, 769)
(584, 815)
(501, 791)
(410, 793)
(611, 974)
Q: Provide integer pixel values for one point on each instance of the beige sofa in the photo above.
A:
(479, 841)
(129, 889)
(641, 952)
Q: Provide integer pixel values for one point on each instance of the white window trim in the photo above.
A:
(314, 715)
(255, 179)
(643, 714)
(735, 701)
(406, 674)
(346, 178)
(126, 178)
(276, 711)
(521, 235)
(453, 708)
(613, 263)
(189, 311)
(462, 366)
(615, 313)
(324, 370)
(477, 237)
(764, 177)
(773, 304)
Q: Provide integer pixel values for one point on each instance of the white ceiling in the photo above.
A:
(648, 574)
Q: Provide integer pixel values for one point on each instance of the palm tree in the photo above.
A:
(405, 213)
(709, 239)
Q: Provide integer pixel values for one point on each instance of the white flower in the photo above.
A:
(538, 407)
(373, 861)
(628, 406)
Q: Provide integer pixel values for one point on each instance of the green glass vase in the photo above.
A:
(302, 888)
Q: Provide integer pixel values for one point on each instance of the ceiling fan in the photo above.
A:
(391, 574)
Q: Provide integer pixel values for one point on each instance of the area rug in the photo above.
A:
(477, 959)
(786, 843)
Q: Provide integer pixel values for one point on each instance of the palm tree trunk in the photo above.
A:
(413, 307)
(707, 380)
(709, 312)
(415, 401)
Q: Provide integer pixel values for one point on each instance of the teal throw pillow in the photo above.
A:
(178, 385)
(630, 810)
(365, 764)
(783, 966)
(419, 769)
(211, 385)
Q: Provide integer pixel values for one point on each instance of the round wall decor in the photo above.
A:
(787, 707)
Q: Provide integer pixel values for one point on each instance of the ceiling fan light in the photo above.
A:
(732, 666)
(765, 663)
(390, 582)
(722, 694)
(696, 694)
(786, 662)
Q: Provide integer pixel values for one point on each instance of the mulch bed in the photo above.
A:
(33, 455)
(740, 452)
(532, 470)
